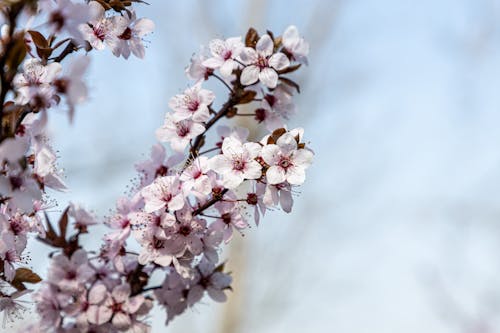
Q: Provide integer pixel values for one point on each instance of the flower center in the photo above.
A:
(262, 62)
(238, 165)
(227, 54)
(285, 162)
(182, 129)
(126, 34)
(193, 105)
(226, 218)
(185, 230)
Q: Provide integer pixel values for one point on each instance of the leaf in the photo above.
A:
(251, 38)
(289, 69)
(275, 135)
(63, 223)
(38, 39)
(290, 83)
(43, 48)
(24, 275)
(247, 97)
(51, 236)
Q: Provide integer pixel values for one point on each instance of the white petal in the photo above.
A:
(213, 62)
(231, 147)
(287, 143)
(248, 56)
(220, 164)
(253, 149)
(269, 77)
(143, 26)
(227, 68)
(279, 61)
(286, 201)
(296, 175)
(265, 45)
(249, 75)
(270, 154)
(303, 157)
(232, 180)
(275, 175)
(253, 170)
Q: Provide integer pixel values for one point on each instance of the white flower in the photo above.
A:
(163, 192)
(65, 15)
(178, 133)
(287, 163)
(237, 162)
(262, 64)
(196, 70)
(295, 45)
(100, 30)
(193, 104)
(130, 38)
(224, 54)
(33, 85)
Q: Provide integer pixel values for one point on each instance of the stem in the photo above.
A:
(209, 150)
(70, 48)
(222, 80)
(245, 114)
(210, 203)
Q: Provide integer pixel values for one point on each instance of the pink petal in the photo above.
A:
(269, 77)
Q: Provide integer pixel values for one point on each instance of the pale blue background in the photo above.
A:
(397, 227)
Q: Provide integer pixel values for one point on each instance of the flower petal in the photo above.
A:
(249, 75)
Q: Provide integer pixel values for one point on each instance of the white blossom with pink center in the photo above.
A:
(237, 162)
(224, 55)
(192, 104)
(286, 162)
(262, 63)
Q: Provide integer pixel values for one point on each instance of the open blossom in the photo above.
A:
(286, 161)
(158, 165)
(237, 162)
(33, 85)
(276, 108)
(65, 15)
(130, 38)
(224, 54)
(178, 133)
(279, 194)
(208, 278)
(262, 64)
(295, 45)
(10, 253)
(230, 219)
(11, 306)
(71, 274)
(117, 307)
(192, 104)
(195, 178)
(101, 30)
(164, 192)
(196, 70)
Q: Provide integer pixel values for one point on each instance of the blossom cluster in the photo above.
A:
(190, 198)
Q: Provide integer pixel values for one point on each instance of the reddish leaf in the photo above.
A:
(247, 97)
(251, 38)
(290, 83)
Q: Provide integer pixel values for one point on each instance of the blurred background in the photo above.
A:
(397, 226)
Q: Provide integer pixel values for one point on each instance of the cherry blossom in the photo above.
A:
(178, 133)
(296, 46)
(164, 192)
(66, 15)
(192, 104)
(224, 55)
(130, 39)
(237, 162)
(262, 64)
(101, 30)
(286, 161)
(33, 86)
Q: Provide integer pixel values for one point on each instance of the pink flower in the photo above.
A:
(82, 218)
(196, 70)
(65, 15)
(71, 274)
(286, 161)
(130, 38)
(279, 194)
(101, 31)
(230, 218)
(237, 162)
(295, 45)
(158, 165)
(33, 85)
(207, 278)
(224, 54)
(195, 178)
(11, 306)
(164, 192)
(186, 234)
(10, 253)
(262, 64)
(193, 104)
(178, 133)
